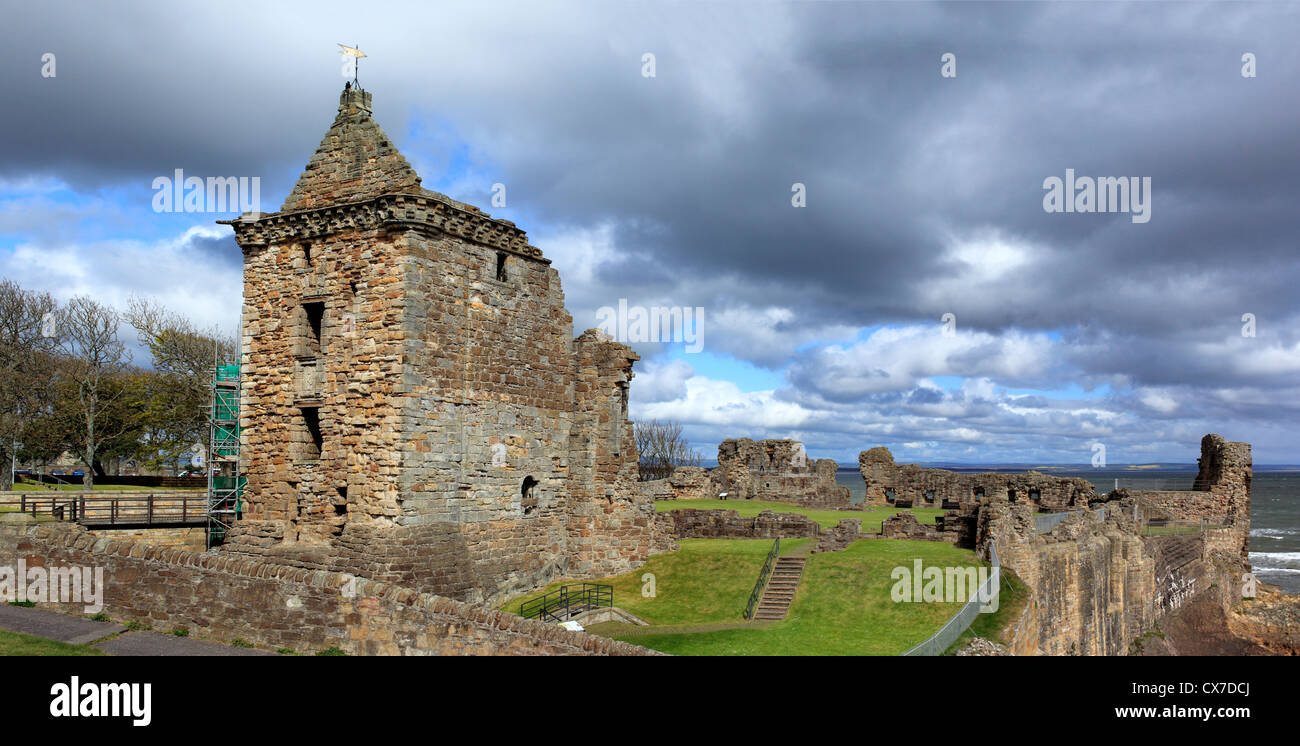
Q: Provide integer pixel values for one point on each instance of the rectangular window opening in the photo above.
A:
(315, 318)
(315, 440)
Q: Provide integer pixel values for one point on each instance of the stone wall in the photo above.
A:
(777, 470)
(838, 537)
(685, 483)
(692, 523)
(414, 406)
(1092, 584)
(1097, 584)
(224, 598)
(910, 486)
(1220, 495)
(193, 538)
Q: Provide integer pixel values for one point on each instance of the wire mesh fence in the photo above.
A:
(940, 641)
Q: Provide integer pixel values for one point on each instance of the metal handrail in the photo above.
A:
(548, 607)
(762, 578)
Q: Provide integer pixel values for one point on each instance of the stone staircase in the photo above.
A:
(780, 590)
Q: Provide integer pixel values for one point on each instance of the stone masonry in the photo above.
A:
(911, 486)
(415, 408)
(777, 470)
(1097, 582)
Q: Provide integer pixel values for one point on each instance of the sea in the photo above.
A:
(1274, 507)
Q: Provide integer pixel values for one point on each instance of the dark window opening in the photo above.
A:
(342, 501)
(353, 287)
(311, 418)
(306, 252)
(979, 493)
(315, 318)
(1035, 495)
(889, 495)
(501, 266)
(527, 497)
(929, 496)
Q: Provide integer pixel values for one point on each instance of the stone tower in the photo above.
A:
(415, 406)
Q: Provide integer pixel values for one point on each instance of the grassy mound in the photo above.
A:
(843, 607)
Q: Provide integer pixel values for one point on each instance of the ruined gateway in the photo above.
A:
(415, 406)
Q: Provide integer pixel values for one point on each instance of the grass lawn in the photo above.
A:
(707, 580)
(15, 643)
(843, 606)
(871, 517)
(1012, 597)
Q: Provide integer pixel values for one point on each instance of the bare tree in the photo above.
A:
(184, 357)
(26, 370)
(662, 449)
(94, 357)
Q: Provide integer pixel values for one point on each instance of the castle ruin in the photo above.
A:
(912, 486)
(415, 407)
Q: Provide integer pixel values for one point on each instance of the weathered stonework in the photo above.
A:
(226, 597)
(777, 470)
(911, 486)
(729, 524)
(685, 483)
(1097, 583)
(837, 538)
(414, 407)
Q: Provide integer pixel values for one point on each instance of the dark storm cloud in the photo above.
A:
(924, 194)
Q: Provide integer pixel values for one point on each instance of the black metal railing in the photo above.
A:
(762, 578)
(568, 601)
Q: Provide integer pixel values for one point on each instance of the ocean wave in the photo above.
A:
(1277, 570)
(1276, 561)
(1273, 533)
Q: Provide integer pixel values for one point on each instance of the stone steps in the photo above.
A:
(782, 585)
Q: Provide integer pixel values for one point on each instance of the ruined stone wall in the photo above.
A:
(777, 470)
(685, 483)
(909, 485)
(837, 538)
(1096, 585)
(729, 524)
(1220, 496)
(225, 598)
(1092, 585)
(610, 524)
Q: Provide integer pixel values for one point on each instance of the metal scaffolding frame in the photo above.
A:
(225, 492)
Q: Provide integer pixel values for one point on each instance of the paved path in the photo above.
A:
(75, 630)
(157, 643)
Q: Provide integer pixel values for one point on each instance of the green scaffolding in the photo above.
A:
(225, 491)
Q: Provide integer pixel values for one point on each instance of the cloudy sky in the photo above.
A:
(924, 195)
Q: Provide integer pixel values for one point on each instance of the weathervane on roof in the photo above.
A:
(356, 54)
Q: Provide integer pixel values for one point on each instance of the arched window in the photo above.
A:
(527, 497)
